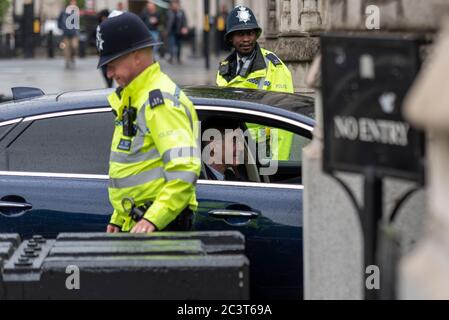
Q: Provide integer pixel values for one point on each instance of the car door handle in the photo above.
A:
(226, 213)
(15, 205)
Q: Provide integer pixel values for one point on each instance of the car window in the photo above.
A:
(281, 144)
(267, 154)
(278, 153)
(69, 144)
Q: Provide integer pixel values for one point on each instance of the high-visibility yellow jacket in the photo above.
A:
(266, 72)
(160, 163)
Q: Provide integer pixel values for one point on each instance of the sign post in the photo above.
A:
(365, 79)
(372, 216)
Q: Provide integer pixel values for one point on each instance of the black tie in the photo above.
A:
(240, 66)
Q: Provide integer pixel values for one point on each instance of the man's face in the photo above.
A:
(151, 7)
(122, 69)
(235, 145)
(232, 148)
(175, 5)
(244, 41)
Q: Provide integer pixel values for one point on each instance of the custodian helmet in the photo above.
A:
(241, 18)
(120, 34)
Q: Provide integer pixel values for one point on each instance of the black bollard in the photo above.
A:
(82, 44)
(50, 45)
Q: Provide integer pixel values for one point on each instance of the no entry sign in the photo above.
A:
(365, 79)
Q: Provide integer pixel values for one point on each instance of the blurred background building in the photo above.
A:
(290, 27)
(29, 27)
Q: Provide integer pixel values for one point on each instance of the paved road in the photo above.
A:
(51, 76)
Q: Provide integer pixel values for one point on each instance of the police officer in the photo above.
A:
(154, 162)
(250, 66)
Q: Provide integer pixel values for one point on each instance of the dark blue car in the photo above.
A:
(54, 153)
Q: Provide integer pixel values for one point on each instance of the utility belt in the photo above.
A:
(183, 221)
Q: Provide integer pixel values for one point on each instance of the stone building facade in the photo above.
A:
(333, 254)
(292, 27)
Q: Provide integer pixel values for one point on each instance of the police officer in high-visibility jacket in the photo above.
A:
(250, 66)
(154, 161)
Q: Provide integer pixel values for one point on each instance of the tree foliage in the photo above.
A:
(80, 3)
(4, 5)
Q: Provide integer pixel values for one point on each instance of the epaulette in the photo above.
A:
(224, 67)
(156, 98)
(274, 59)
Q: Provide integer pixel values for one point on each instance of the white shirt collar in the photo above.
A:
(238, 62)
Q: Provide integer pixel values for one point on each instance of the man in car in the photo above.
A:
(154, 163)
(223, 150)
(250, 66)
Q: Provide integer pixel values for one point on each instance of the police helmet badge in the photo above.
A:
(243, 15)
(100, 40)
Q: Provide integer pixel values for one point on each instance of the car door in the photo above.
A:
(53, 173)
(267, 212)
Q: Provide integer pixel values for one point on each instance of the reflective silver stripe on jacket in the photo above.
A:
(177, 93)
(138, 140)
(150, 175)
(138, 179)
(186, 176)
(121, 157)
(176, 102)
(180, 152)
(189, 115)
(262, 81)
(172, 98)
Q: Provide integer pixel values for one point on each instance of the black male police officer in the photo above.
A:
(154, 162)
(250, 66)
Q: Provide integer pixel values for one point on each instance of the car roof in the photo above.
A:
(298, 107)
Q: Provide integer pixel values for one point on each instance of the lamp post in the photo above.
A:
(206, 30)
(27, 27)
